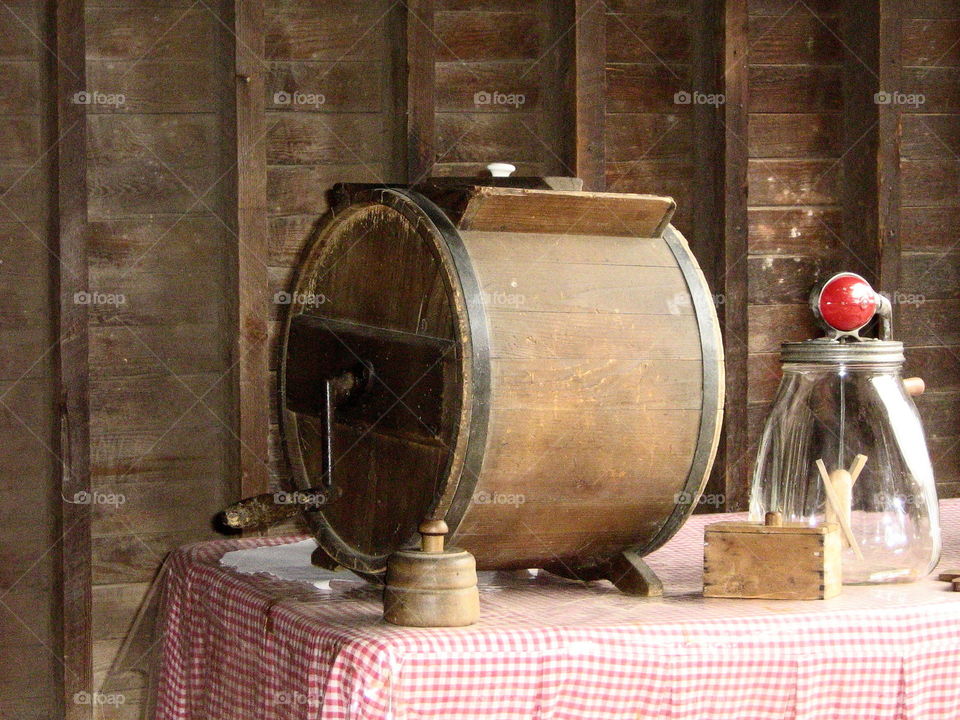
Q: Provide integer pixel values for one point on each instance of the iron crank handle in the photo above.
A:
(268, 509)
(326, 427)
(336, 391)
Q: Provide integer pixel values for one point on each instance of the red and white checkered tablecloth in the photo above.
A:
(252, 646)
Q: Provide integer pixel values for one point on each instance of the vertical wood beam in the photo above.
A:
(420, 58)
(253, 280)
(709, 135)
(861, 81)
(890, 125)
(70, 241)
(557, 67)
(720, 220)
(573, 104)
(393, 95)
(872, 130)
(734, 309)
(590, 93)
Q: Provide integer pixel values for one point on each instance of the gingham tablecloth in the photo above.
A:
(252, 646)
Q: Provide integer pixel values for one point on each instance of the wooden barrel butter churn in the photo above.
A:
(540, 369)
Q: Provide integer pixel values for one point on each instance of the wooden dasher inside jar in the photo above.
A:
(541, 369)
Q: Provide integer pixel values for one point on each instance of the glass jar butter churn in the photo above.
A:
(844, 444)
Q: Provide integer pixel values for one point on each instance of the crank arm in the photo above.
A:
(262, 511)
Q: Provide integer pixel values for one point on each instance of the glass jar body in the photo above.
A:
(834, 412)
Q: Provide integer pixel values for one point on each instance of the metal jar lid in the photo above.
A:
(827, 351)
(844, 305)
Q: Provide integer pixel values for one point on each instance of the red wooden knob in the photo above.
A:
(847, 302)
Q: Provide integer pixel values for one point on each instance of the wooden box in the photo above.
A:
(771, 561)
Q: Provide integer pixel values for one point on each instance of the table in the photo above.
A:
(255, 646)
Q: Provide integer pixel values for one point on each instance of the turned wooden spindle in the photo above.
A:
(432, 534)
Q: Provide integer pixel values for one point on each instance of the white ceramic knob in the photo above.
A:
(500, 169)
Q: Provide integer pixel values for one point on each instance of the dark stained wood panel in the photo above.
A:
(22, 190)
(484, 137)
(152, 86)
(940, 88)
(934, 9)
(148, 33)
(249, 145)
(771, 325)
(157, 139)
(43, 592)
(317, 139)
(931, 43)
(796, 135)
(324, 87)
(287, 237)
(18, 84)
(654, 136)
(930, 228)
(763, 378)
(940, 369)
(122, 564)
(781, 280)
(73, 372)
(159, 189)
(579, 91)
(813, 231)
(930, 225)
(794, 182)
(148, 186)
(299, 190)
(926, 136)
(654, 7)
(648, 38)
(780, 8)
(482, 35)
(19, 140)
(933, 276)
(795, 89)
(470, 87)
(932, 323)
(930, 182)
(414, 74)
(731, 480)
(795, 38)
(635, 88)
(306, 30)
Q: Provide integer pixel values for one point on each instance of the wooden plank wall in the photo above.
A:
(795, 143)
(162, 428)
(329, 118)
(72, 354)
(798, 152)
(491, 71)
(30, 682)
(930, 224)
(649, 128)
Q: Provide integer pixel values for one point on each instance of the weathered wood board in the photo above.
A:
(785, 562)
